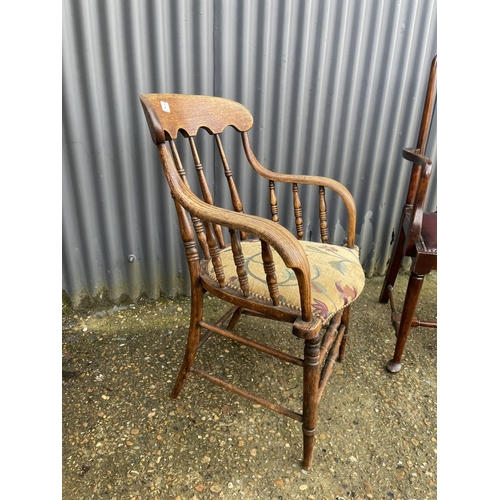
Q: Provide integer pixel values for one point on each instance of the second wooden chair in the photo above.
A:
(416, 236)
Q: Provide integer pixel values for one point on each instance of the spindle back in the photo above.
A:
(169, 114)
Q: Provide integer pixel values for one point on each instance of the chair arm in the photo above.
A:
(282, 240)
(417, 214)
(315, 180)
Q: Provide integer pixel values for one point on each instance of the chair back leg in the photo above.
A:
(193, 340)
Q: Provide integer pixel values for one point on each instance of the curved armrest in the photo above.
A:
(315, 180)
(417, 213)
(282, 240)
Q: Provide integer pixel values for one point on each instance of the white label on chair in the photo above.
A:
(165, 106)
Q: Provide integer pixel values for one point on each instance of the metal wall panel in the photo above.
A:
(336, 88)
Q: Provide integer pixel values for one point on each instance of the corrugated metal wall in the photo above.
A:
(336, 88)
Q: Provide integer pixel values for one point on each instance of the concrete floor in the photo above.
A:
(123, 438)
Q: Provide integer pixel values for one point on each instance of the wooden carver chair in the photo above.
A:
(416, 236)
(263, 270)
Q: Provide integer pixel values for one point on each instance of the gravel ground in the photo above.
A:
(123, 438)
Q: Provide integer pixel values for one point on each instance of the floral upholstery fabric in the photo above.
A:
(336, 274)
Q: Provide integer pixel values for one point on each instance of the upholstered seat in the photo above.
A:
(336, 275)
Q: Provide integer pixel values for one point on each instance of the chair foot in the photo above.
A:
(179, 383)
(393, 367)
(308, 439)
(409, 307)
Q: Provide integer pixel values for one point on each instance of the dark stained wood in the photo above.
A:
(425, 121)
(169, 114)
(416, 235)
(396, 316)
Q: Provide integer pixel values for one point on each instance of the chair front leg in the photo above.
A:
(410, 305)
(310, 397)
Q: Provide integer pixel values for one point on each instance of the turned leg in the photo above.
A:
(410, 305)
(394, 265)
(193, 339)
(310, 397)
(346, 314)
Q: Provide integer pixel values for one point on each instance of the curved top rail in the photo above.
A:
(166, 114)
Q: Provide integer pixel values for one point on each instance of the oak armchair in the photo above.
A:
(254, 264)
